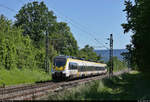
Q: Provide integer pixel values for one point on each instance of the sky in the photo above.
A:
(91, 21)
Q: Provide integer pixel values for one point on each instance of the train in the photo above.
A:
(66, 68)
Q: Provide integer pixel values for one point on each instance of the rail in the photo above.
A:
(34, 91)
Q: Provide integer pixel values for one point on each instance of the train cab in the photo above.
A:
(58, 69)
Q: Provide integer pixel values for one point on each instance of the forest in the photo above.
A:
(22, 42)
(138, 14)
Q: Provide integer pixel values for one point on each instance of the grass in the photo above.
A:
(118, 65)
(16, 76)
(129, 86)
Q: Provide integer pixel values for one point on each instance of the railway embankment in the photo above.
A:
(35, 91)
(128, 86)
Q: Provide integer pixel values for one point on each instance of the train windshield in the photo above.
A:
(59, 62)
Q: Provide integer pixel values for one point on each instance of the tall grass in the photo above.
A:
(117, 64)
(129, 86)
(16, 76)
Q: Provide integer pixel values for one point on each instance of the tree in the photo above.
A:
(88, 53)
(16, 51)
(35, 19)
(22, 44)
(138, 22)
(62, 39)
(129, 57)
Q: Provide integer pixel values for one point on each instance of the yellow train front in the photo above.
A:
(66, 67)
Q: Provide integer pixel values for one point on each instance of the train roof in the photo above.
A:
(76, 58)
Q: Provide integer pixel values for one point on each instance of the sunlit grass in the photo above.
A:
(134, 72)
(16, 76)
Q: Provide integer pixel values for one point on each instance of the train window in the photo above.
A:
(59, 62)
(103, 68)
(72, 65)
(79, 68)
(88, 68)
(83, 68)
(97, 68)
(93, 68)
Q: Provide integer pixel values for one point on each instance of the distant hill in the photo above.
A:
(105, 54)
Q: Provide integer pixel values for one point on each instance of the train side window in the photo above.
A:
(103, 68)
(83, 68)
(79, 68)
(72, 65)
(97, 68)
(88, 68)
(93, 68)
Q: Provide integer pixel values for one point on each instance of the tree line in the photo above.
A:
(138, 22)
(22, 42)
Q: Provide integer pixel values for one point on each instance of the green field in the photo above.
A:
(16, 76)
(129, 86)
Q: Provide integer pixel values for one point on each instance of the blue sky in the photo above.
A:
(88, 19)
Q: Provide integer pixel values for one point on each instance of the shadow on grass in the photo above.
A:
(43, 81)
(124, 87)
(127, 86)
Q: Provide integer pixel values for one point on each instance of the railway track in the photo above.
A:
(34, 91)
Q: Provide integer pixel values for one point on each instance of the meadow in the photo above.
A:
(23, 76)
